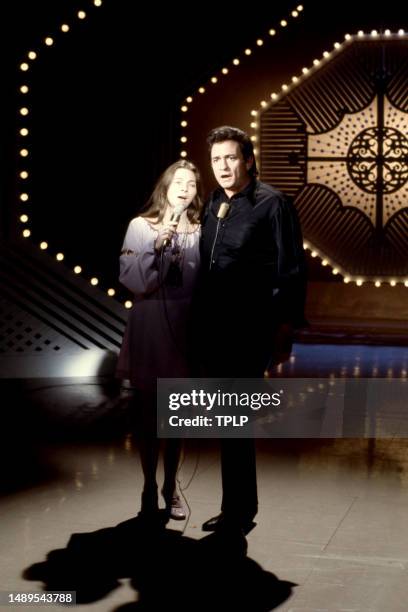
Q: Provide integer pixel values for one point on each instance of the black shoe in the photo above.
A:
(224, 522)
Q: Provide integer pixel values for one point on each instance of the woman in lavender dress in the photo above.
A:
(159, 264)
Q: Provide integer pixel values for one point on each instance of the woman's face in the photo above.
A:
(183, 188)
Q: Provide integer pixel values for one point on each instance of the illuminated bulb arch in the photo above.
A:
(247, 52)
(24, 111)
(348, 278)
(305, 74)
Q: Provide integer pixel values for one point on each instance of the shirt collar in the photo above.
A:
(246, 192)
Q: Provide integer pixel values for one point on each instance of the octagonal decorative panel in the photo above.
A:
(338, 143)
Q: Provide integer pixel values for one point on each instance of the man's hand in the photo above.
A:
(282, 342)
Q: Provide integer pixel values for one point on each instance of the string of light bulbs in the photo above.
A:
(226, 70)
(24, 131)
(286, 88)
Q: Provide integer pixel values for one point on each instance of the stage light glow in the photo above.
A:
(184, 109)
(23, 132)
(189, 99)
(393, 282)
(43, 245)
(259, 42)
(248, 51)
(77, 269)
(346, 279)
(24, 197)
(305, 70)
(24, 174)
(313, 254)
(214, 80)
(81, 14)
(377, 283)
(59, 256)
(94, 281)
(24, 111)
(235, 61)
(24, 218)
(224, 71)
(183, 139)
(201, 90)
(284, 23)
(24, 67)
(32, 55)
(26, 233)
(65, 27)
(272, 32)
(335, 271)
(24, 89)
(359, 282)
(128, 304)
(24, 152)
(111, 292)
(183, 154)
(49, 41)
(184, 124)
(254, 113)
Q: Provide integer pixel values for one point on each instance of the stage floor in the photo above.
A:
(331, 533)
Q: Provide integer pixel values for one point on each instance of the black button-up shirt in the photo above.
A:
(253, 259)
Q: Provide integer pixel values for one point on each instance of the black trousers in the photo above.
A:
(238, 471)
(236, 346)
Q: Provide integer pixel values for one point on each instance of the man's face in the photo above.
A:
(229, 167)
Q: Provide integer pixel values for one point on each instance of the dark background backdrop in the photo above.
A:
(104, 104)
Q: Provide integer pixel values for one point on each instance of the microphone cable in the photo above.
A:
(165, 305)
(183, 489)
(221, 214)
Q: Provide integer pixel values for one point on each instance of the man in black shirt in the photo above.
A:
(252, 294)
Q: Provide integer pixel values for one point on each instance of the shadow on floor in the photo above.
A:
(168, 571)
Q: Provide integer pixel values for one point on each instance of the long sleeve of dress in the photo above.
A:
(139, 265)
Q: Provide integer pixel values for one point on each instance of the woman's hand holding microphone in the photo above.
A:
(165, 235)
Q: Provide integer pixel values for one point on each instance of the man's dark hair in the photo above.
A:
(227, 132)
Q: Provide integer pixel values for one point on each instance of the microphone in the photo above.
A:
(221, 214)
(223, 210)
(175, 218)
